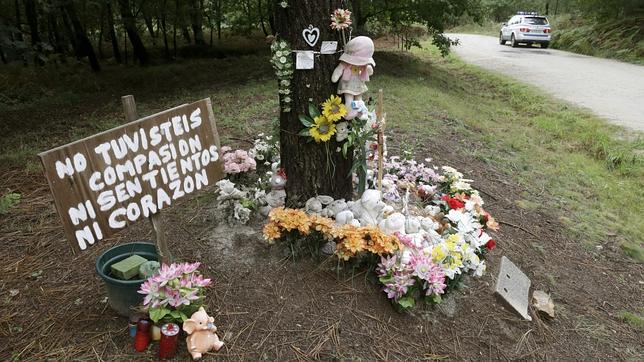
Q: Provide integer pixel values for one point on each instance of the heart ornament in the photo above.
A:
(311, 35)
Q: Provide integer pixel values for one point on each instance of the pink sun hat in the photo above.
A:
(359, 51)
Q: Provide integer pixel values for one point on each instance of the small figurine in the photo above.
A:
(202, 337)
(356, 65)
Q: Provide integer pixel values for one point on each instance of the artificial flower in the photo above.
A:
(340, 19)
(322, 130)
(333, 108)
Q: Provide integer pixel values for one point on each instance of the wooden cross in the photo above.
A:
(381, 118)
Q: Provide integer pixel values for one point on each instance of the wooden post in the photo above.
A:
(129, 108)
(381, 119)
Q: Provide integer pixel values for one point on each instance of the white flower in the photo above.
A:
(480, 269)
(284, 4)
(461, 185)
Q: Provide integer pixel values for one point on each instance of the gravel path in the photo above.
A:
(611, 89)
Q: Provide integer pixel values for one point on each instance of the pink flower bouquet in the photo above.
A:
(174, 293)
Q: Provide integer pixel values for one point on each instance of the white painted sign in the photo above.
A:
(103, 183)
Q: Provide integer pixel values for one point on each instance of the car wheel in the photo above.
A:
(501, 41)
(545, 45)
(513, 41)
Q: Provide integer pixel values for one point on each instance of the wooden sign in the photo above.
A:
(103, 183)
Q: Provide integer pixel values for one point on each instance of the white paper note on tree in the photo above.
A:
(304, 60)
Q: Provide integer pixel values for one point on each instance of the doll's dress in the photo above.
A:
(353, 80)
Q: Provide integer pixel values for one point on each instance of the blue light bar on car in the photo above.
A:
(527, 13)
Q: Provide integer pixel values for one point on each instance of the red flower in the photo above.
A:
(491, 244)
(453, 203)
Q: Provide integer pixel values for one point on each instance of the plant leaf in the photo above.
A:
(406, 302)
(305, 132)
(306, 120)
(156, 314)
(313, 110)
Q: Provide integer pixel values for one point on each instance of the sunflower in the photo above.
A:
(333, 109)
(322, 130)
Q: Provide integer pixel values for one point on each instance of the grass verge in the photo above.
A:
(574, 164)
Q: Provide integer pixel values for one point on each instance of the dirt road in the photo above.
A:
(611, 89)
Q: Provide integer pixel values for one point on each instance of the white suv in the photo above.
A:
(527, 28)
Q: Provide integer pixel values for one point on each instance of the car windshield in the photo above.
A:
(535, 21)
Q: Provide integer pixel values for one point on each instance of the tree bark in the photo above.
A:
(308, 172)
(219, 17)
(55, 38)
(162, 18)
(115, 40)
(99, 44)
(18, 21)
(84, 46)
(261, 17)
(32, 18)
(196, 20)
(186, 34)
(148, 23)
(174, 27)
(130, 27)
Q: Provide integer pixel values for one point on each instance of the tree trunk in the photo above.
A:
(261, 17)
(162, 18)
(148, 23)
(99, 45)
(174, 27)
(115, 40)
(186, 34)
(130, 27)
(308, 172)
(70, 34)
(32, 19)
(196, 20)
(18, 21)
(55, 38)
(84, 46)
(218, 19)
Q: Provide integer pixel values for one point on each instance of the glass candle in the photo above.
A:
(142, 338)
(155, 332)
(168, 343)
(134, 319)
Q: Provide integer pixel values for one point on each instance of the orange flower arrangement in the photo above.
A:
(350, 240)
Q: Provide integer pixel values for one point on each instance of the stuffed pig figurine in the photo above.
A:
(202, 337)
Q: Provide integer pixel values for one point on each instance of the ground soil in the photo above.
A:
(268, 306)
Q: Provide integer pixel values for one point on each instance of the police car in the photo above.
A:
(527, 28)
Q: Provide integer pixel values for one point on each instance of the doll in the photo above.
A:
(356, 65)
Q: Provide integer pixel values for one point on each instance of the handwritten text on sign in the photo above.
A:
(105, 182)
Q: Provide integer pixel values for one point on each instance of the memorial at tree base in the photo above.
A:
(417, 228)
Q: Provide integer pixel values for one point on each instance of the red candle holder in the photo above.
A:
(142, 337)
(168, 342)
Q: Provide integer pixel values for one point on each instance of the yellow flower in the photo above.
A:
(333, 109)
(322, 130)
